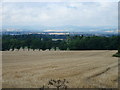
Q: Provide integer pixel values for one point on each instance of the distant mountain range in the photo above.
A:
(69, 28)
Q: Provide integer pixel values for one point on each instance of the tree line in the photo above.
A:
(43, 42)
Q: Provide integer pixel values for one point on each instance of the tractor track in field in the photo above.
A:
(102, 72)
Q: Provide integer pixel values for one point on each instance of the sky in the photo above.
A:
(95, 14)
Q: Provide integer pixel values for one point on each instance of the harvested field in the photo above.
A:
(83, 69)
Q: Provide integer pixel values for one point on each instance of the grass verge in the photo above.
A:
(116, 55)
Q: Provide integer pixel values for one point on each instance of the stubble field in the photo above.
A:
(83, 69)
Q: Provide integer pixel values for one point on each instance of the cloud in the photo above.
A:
(60, 13)
(61, 1)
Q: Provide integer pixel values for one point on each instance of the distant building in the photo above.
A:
(56, 39)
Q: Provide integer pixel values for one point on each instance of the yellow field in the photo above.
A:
(83, 69)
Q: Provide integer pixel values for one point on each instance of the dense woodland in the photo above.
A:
(43, 42)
